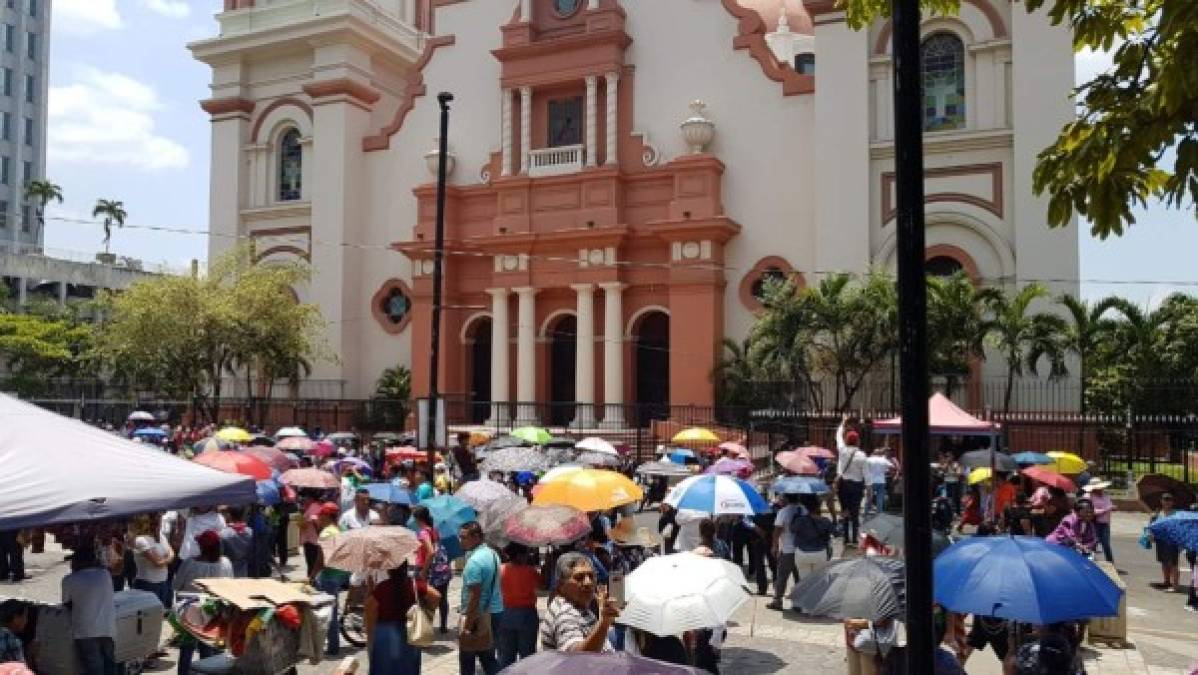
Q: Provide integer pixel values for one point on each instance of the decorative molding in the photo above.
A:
(745, 290)
(951, 141)
(226, 106)
(993, 205)
(650, 155)
(381, 317)
(278, 103)
(294, 250)
(415, 89)
(751, 36)
(956, 253)
(992, 16)
(360, 94)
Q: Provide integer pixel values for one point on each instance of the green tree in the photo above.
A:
(1024, 336)
(37, 349)
(113, 212)
(1114, 155)
(958, 325)
(737, 381)
(777, 343)
(391, 401)
(41, 192)
(1086, 327)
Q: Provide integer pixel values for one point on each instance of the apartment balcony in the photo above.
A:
(558, 161)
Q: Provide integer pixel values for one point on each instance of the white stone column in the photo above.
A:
(62, 294)
(526, 355)
(499, 357)
(526, 10)
(613, 354)
(22, 292)
(592, 123)
(525, 127)
(584, 360)
(612, 125)
(592, 4)
(506, 131)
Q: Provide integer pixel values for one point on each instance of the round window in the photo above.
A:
(566, 7)
(767, 275)
(395, 306)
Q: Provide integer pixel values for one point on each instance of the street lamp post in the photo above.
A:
(443, 99)
(913, 346)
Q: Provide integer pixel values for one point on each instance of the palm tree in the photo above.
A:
(1024, 336)
(41, 192)
(113, 212)
(957, 326)
(1086, 327)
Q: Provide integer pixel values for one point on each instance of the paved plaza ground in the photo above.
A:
(763, 641)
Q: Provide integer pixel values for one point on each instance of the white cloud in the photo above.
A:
(174, 9)
(108, 118)
(1088, 63)
(84, 17)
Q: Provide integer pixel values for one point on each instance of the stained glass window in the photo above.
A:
(943, 82)
(565, 121)
(395, 306)
(291, 165)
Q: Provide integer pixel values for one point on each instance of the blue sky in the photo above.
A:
(125, 124)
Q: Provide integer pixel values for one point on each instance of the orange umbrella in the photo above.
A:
(797, 463)
(233, 461)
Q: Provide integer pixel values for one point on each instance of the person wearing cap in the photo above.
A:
(850, 481)
(1095, 489)
(87, 593)
(326, 579)
(209, 564)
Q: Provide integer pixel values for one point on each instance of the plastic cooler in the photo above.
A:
(1111, 629)
(138, 630)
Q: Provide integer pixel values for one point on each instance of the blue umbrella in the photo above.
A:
(389, 493)
(1179, 529)
(1027, 457)
(449, 514)
(681, 455)
(1022, 579)
(717, 495)
(268, 492)
(149, 433)
(799, 485)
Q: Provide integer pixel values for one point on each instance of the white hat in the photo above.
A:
(1096, 484)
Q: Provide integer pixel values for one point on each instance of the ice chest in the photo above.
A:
(1111, 630)
(138, 630)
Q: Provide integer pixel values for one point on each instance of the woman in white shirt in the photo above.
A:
(152, 555)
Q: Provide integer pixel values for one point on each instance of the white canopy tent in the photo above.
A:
(59, 470)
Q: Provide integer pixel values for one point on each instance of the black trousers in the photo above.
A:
(850, 494)
(759, 557)
(12, 556)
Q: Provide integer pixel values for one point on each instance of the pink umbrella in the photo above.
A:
(322, 449)
(741, 468)
(234, 461)
(797, 463)
(814, 451)
(310, 478)
(301, 444)
(547, 524)
(736, 449)
(276, 459)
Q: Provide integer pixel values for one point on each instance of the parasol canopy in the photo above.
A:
(290, 432)
(717, 495)
(1152, 486)
(273, 457)
(369, 549)
(1179, 529)
(211, 443)
(663, 469)
(315, 479)
(797, 463)
(1049, 477)
(1026, 458)
(800, 485)
(534, 435)
(589, 490)
(300, 444)
(1067, 463)
(234, 435)
(727, 466)
(871, 588)
(592, 458)
(234, 461)
(140, 416)
(596, 444)
(511, 460)
(672, 594)
(695, 435)
(1001, 461)
(546, 525)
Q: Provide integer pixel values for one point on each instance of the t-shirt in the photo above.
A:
(349, 488)
(481, 569)
(564, 626)
(237, 543)
(146, 570)
(786, 544)
(196, 524)
(194, 568)
(350, 520)
(876, 469)
(688, 538)
(428, 538)
(89, 592)
(519, 585)
(394, 602)
(851, 465)
(308, 531)
(1102, 507)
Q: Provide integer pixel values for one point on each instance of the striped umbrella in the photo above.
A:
(717, 495)
(857, 588)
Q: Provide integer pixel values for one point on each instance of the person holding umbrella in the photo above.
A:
(1168, 555)
(390, 653)
(432, 564)
(482, 602)
(1095, 489)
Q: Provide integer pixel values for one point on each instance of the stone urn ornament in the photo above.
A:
(430, 159)
(697, 130)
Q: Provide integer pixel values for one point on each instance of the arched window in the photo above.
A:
(942, 266)
(291, 165)
(943, 56)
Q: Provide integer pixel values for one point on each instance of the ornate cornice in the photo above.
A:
(751, 36)
(342, 86)
(415, 89)
(225, 106)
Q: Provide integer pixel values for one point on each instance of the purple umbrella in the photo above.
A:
(356, 463)
(585, 663)
(741, 468)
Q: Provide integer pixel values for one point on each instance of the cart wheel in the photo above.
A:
(134, 667)
(353, 626)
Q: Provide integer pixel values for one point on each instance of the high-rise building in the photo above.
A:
(24, 72)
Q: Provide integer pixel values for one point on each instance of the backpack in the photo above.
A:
(440, 573)
(809, 533)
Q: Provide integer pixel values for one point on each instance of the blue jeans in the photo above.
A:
(516, 636)
(331, 585)
(1103, 530)
(160, 590)
(487, 657)
(187, 652)
(879, 490)
(390, 653)
(97, 655)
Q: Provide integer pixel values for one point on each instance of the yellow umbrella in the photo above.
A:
(979, 474)
(478, 438)
(589, 490)
(1067, 463)
(695, 435)
(234, 435)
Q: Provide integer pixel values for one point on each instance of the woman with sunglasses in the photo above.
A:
(1168, 555)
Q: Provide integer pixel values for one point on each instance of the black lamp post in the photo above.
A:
(443, 99)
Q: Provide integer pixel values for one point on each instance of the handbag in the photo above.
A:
(1146, 539)
(481, 638)
(419, 626)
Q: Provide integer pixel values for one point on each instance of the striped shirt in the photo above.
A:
(564, 626)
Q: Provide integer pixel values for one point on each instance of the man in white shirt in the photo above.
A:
(850, 481)
(688, 529)
(784, 550)
(361, 515)
(87, 593)
(198, 521)
(877, 470)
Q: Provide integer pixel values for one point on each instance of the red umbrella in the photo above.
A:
(322, 448)
(317, 479)
(1050, 478)
(277, 459)
(396, 455)
(301, 444)
(797, 463)
(814, 451)
(234, 461)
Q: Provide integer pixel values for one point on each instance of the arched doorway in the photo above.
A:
(651, 347)
(562, 335)
(478, 370)
(942, 266)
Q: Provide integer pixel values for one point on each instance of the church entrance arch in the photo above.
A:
(651, 364)
(562, 336)
(478, 368)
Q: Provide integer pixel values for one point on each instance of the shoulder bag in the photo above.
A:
(481, 638)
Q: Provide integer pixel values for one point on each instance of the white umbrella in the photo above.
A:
(291, 432)
(596, 444)
(140, 416)
(668, 595)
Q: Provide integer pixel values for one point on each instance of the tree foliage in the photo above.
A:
(37, 348)
(1024, 336)
(41, 192)
(389, 405)
(114, 214)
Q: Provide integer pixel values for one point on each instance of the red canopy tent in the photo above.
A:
(944, 419)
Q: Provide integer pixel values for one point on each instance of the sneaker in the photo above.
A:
(774, 605)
